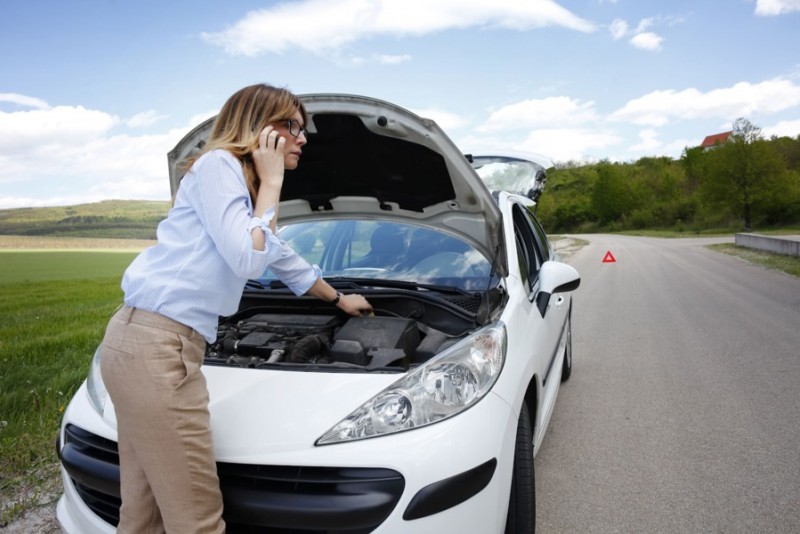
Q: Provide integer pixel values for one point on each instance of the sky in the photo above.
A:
(94, 93)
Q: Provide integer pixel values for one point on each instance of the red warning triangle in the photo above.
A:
(609, 258)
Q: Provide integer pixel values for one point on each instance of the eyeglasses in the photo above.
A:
(295, 129)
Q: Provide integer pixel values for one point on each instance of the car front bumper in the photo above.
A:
(453, 476)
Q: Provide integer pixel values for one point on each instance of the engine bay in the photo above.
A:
(271, 339)
(283, 331)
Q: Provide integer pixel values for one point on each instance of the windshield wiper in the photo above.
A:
(342, 281)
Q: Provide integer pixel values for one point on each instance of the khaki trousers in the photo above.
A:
(151, 368)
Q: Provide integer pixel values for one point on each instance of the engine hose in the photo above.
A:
(309, 348)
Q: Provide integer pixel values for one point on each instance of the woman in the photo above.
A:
(219, 233)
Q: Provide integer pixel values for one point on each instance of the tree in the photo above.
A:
(692, 161)
(790, 150)
(611, 198)
(741, 172)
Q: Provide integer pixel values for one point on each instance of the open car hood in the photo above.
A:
(521, 173)
(369, 158)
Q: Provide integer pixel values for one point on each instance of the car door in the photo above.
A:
(546, 332)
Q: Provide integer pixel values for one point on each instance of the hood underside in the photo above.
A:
(370, 158)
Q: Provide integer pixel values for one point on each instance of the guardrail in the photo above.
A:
(789, 245)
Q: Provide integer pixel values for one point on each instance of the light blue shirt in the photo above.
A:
(204, 255)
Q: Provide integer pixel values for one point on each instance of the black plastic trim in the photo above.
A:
(257, 498)
(555, 352)
(322, 498)
(440, 496)
(91, 461)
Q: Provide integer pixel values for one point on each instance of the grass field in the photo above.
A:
(54, 307)
(779, 262)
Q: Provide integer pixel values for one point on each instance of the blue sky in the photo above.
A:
(94, 93)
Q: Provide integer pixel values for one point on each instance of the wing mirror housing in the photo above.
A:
(555, 277)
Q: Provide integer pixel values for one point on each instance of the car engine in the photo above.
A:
(270, 339)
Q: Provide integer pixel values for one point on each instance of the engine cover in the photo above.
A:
(267, 338)
(376, 341)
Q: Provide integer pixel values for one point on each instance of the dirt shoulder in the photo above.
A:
(24, 242)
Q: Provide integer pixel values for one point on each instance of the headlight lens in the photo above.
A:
(94, 385)
(442, 387)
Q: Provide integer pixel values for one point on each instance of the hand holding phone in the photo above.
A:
(268, 157)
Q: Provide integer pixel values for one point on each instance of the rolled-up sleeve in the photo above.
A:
(294, 271)
(288, 266)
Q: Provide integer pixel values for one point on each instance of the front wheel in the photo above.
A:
(521, 517)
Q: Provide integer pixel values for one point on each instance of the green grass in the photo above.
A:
(38, 266)
(708, 232)
(667, 233)
(54, 306)
(779, 262)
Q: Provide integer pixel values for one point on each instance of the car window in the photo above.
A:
(528, 253)
(388, 250)
(543, 243)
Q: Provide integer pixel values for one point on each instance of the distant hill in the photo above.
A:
(129, 219)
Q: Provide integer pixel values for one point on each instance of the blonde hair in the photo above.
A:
(240, 121)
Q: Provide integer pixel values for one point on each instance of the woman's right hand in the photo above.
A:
(268, 157)
(269, 162)
(354, 305)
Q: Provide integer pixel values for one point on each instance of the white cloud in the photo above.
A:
(565, 144)
(782, 129)
(146, 118)
(22, 100)
(618, 29)
(742, 99)
(386, 59)
(647, 41)
(558, 144)
(649, 142)
(673, 20)
(766, 8)
(119, 166)
(73, 148)
(21, 130)
(545, 112)
(644, 24)
(195, 120)
(641, 38)
(446, 120)
(330, 25)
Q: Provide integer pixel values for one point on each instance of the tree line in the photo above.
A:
(745, 183)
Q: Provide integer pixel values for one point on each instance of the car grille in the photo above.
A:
(268, 499)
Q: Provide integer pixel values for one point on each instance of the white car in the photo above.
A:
(422, 418)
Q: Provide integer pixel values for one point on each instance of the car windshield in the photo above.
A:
(385, 250)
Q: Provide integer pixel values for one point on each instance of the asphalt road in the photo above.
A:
(683, 410)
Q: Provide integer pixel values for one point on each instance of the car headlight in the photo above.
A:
(95, 386)
(444, 386)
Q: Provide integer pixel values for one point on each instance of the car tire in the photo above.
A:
(566, 370)
(521, 518)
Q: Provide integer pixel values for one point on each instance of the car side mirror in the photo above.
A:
(555, 277)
